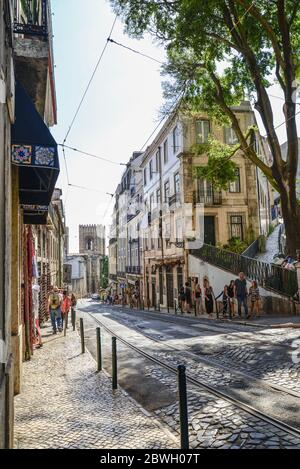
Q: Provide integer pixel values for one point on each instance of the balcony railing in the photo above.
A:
(121, 274)
(33, 19)
(134, 269)
(269, 276)
(174, 199)
(209, 198)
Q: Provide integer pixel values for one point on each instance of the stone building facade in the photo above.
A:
(179, 211)
(87, 265)
(29, 169)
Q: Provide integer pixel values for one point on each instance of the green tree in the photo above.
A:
(104, 273)
(31, 11)
(221, 50)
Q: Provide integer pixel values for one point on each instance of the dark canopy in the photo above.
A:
(34, 150)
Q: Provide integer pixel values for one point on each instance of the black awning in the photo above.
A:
(34, 150)
(35, 214)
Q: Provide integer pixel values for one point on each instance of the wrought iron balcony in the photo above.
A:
(133, 269)
(33, 19)
(209, 198)
(174, 199)
(121, 274)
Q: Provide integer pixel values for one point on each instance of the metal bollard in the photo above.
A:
(183, 410)
(114, 369)
(82, 336)
(65, 324)
(175, 307)
(99, 352)
(158, 306)
(73, 317)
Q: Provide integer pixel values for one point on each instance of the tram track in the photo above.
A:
(203, 385)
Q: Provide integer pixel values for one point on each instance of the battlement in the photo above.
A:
(92, 239)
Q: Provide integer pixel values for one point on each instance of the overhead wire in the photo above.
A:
(135, 51)
(90, 80)
(102, 158)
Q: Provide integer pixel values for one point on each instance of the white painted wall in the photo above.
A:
(217, 277)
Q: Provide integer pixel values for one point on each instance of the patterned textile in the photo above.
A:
(44, 156)
(22, 154)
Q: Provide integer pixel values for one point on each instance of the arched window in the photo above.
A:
(89, 244)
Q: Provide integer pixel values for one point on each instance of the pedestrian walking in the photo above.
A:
(188, 297)
(230, 292)
(181, 298)
(241, 293)
(73, 300)
(255, 299)
(54, 304)
(65, 308)
(209, 298)
(198, 298)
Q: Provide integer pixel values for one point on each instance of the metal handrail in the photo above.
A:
(269, 276)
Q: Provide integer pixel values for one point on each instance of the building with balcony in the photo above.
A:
(181, 210)
(29, 168)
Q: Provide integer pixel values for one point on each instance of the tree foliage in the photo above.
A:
(221, 51)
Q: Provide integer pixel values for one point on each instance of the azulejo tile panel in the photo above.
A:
(22, 154)
(44, 156)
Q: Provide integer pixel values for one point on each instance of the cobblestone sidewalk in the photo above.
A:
(65, 404)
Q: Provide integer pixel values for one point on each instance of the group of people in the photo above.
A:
(60, 303)
(234, 293)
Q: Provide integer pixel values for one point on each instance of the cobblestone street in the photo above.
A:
(65, 404)
(214, 422)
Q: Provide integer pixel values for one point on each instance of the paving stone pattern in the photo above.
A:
(65, 404)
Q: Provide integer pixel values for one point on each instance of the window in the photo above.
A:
(158, 197)
(202, 131)
(235, 186)
(236, 227)
(145, 176)
(167, 191)
(166, 156)
(157, 161)
(151, 169)
(230, 136)
(178, 230)
(151, 202)
(175, 139)
(177, 183)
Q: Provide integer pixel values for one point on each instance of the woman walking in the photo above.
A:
(188, 297)
(230, 293)
(65, 308)
(198, 298)
(255, 298)
(209, 298)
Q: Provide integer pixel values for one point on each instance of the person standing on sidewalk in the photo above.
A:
(241, 293)
(65, 307)
(198, 298)
(188, 297)
(255, 299)
(54, 304)
(230, 292)
(209, 297)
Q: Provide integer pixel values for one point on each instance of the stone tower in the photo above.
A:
(92, 239)
(92, 248)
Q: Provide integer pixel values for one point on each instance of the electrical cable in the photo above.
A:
(135, 51)
(90, 80)
(92, 155)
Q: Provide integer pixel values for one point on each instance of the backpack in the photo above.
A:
(54, 300)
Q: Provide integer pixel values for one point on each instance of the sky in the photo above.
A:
(119, 113)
